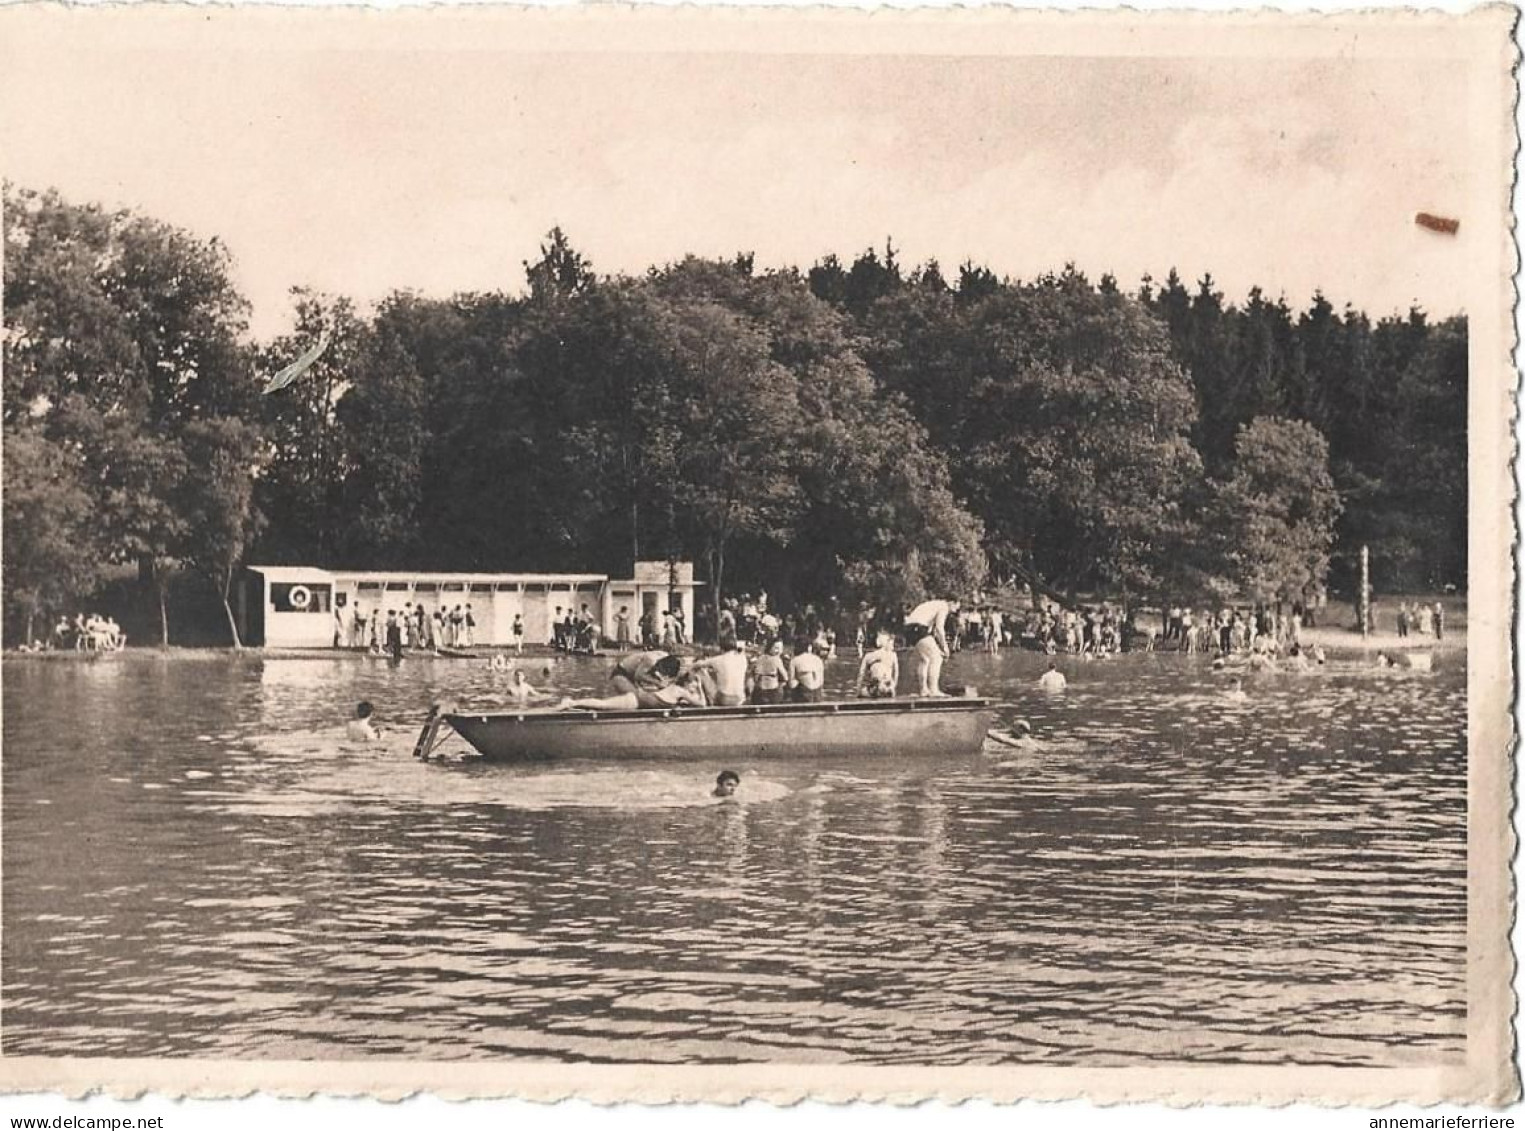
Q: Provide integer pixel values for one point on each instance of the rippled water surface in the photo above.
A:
(195, 863)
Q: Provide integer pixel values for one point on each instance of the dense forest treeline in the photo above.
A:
(852, 433)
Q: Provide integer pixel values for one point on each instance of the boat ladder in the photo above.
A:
(428, 737)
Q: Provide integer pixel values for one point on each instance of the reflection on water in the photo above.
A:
(195, 863)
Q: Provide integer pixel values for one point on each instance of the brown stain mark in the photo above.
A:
(1443, 224)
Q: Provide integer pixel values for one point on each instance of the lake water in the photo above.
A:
(196, 864)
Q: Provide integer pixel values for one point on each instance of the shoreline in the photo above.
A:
(1341, 640)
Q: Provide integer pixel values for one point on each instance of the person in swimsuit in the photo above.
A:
(879, 671)
(926, 626)
(769, 675)
(726, 673)
(807, 675)
(644, 680)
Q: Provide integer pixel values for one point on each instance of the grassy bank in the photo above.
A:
(1337, 626)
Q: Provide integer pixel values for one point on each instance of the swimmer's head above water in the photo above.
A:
(726, 782)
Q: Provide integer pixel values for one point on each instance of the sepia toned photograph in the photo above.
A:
(709, 555)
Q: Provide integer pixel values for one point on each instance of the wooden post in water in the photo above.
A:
(1364, 604)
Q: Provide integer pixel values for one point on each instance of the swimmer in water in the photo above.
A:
(522, 693)
(1384, 660)
(1020, 736)
(726, 783)
(360, 728)
(1236, 694)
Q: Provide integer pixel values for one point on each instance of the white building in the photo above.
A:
(307, 607)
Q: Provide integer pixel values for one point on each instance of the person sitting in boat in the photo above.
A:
(360, 728)
(926, 631)
(769, 675)
(726, 783)
(807, 674)
(879, 671)
(726, 673)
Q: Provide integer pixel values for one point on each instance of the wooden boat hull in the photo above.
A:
(938, 728)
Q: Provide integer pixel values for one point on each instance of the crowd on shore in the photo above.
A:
(1422, 619)
(90, 632)
(412, 627)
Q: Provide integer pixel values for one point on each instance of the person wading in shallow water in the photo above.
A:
(1052, 680)
(394, 635)
(926, 628)
(360, 728)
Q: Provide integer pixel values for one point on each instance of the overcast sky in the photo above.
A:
(439, 170)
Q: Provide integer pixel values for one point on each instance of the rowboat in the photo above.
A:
(940, 728)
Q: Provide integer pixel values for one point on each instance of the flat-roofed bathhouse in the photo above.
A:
(307, 607)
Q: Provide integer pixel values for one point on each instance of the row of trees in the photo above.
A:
(1387, 398)
(130, 412)
(851, 433)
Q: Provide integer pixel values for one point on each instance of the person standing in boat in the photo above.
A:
(926, 630)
